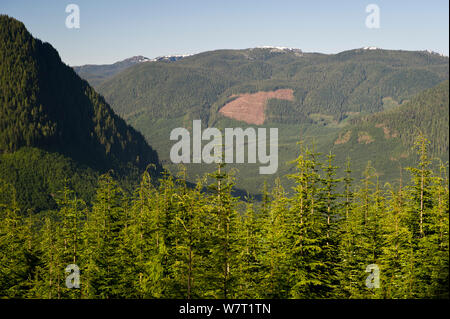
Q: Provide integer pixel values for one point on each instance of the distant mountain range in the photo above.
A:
(330, 93)
(96, 74)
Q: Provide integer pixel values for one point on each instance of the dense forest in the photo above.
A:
(43, 103)
(427, 111)
(175, 241)
(54, 127)
(387, 138)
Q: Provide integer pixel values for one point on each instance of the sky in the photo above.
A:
(113, 30)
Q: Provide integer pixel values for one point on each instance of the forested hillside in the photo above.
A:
(351, 81)
(386, 138)
(427, 112)
(45, 105)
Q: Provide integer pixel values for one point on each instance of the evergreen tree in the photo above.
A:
(306, 229)
(222, 272)
(330, 208)
(275, 246)
(397, 277)
(249, 259)
(103, 266)
(189, 228)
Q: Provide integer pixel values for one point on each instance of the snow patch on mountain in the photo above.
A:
(136, 59)
(171, 58)
(280, 49)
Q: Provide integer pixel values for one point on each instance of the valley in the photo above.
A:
(315, 98)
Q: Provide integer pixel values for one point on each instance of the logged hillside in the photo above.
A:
(250, 108)
(386, 139)
(45, 105)
(427, 112)
(311, 237)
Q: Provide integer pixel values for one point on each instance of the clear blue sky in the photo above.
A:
(114, 30)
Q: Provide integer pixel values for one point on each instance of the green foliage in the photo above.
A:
(175, 241)
(427, 112)
(222, 258)
(40, 175)
(43, 103)
(170, 240)
(54, 126)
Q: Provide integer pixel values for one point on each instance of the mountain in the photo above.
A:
(320, 94)
(96, 74)
(336, 85)
(387, 138)
(170, 58)
(427, 112)
(53, 122)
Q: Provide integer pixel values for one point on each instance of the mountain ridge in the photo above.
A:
(99, 73)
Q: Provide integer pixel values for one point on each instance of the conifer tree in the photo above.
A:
(360, 243)
(165, 237)
(420, 216)
(68, 239)
(348, 234)
(13, 270)
(250, 240)
(189, 227)
(330, 208)
(223, 235)
(275, 247)
(137, 247)
(178, 241)
(439, 236)
(306, 227)
(420, 191)
(397, 276)
(104, 237)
